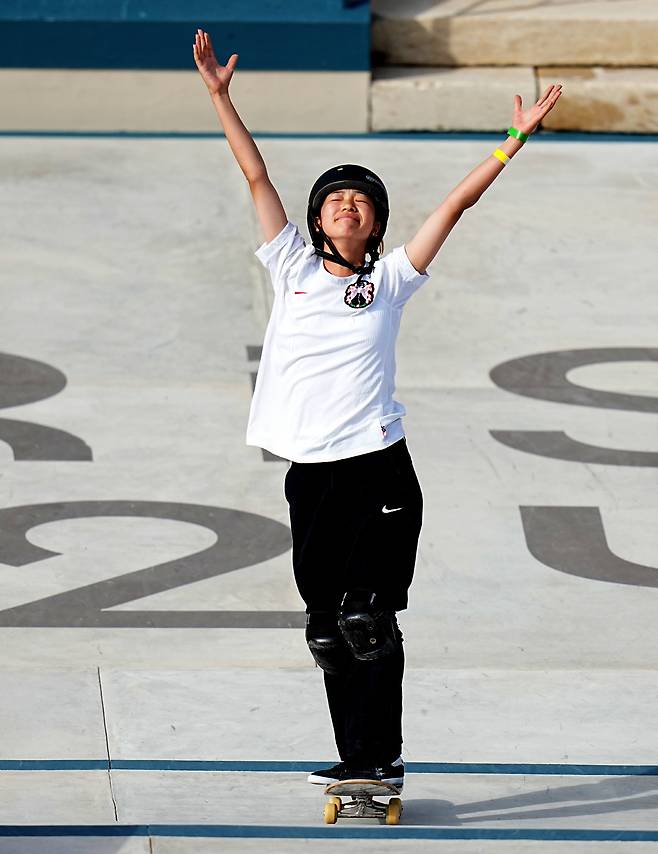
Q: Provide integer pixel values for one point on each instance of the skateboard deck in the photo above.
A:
(362, 803)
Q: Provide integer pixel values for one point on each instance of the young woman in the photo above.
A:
(324, 400)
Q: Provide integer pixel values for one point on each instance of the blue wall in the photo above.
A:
(158, 34)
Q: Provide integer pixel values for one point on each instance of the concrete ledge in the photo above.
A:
(437, 99)
(603, 99)
(452, 32)
(482, 99)
(123, 100)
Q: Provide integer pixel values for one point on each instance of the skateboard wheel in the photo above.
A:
(330, 813)
(393, 811)
(336, 800)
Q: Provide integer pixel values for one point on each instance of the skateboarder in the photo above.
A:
(324, 400)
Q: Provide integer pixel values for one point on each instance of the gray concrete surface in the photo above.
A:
(133, 309)
(253, 799)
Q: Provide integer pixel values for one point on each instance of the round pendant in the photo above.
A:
(359, 294)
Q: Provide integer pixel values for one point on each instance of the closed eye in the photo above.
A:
(362, 199)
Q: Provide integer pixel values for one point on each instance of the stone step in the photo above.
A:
(515, 32)
(623, 100)
(173, 101)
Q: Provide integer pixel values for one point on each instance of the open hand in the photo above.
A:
(215, 76)
(527, 120)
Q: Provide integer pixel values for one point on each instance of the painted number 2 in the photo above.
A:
(243, 539)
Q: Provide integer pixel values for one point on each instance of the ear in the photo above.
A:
(375, 229)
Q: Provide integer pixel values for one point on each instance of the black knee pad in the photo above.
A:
(370, 631)
(326, 642)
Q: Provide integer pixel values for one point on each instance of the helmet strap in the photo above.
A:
(338, 258)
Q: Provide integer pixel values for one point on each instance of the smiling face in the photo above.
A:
(348, 215)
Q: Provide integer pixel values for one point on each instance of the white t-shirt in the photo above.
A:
(325, 383)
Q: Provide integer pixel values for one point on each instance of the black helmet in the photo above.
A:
(347, 176)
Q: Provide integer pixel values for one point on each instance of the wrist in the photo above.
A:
(507, 149)
(521, 135)
(511, 145)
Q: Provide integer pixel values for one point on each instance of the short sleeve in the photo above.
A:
(281, 255)
(400, 279)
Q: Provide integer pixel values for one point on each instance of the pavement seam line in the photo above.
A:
(107, 746)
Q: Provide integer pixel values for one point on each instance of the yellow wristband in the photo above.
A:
(501, 156)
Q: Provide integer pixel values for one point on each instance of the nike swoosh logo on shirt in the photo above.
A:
(385, 509)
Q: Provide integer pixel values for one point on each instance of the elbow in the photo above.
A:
(466, 203)
(458, 202)
(257, 178)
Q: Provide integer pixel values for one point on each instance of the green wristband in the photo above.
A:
(518, 134)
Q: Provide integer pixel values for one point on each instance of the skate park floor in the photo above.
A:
(157, 692)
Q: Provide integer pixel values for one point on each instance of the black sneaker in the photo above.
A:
(392, 773)
(327, 775)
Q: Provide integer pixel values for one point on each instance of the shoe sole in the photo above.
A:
(325, 781)
(313, 778)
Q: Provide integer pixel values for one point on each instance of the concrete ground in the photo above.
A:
(157, 692)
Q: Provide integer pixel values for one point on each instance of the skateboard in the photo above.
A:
(362, 803)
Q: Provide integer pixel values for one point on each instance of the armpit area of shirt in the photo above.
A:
(266, 250)
(401, 261)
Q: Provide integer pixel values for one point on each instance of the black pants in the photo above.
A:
(355, 524)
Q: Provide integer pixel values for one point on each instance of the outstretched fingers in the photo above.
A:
(203, 48)
(209, 46)
(202, 44)
(199, 46)
(550, 103)
(552, 92)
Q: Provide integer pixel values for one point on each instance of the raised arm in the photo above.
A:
(425, 244)
(217, 77)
